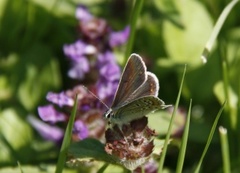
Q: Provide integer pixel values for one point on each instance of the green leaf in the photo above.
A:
(219, 92)
(37, 73)
(169, 11)
(158, 146)
(90, 149)
(232, 46)
(15, 135)
(232, 98)
(199, 81)
(159, 121)
(5, 88)
(186, 45)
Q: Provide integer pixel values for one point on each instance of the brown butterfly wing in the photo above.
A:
(133, 76)
(149, 88)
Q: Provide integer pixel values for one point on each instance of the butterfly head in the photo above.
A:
(108, 114)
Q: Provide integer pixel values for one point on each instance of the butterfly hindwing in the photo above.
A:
(149, 88)
(136, 109)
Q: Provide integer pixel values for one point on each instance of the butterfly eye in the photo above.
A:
(108, 114)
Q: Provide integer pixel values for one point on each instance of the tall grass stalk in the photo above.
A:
(163, 154)
(20, 167)
(209, 138)
(66, 140)
(184, 141)
(231, 118)
(134, 16)
(225, 150)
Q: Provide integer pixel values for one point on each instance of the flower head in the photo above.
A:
(89, 121)
(132, 144)
(92, 54)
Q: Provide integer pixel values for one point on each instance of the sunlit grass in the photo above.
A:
(66, 140)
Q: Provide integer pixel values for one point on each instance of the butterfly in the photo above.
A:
(136, 95)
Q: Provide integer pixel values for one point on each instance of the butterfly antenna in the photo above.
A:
(95, 96)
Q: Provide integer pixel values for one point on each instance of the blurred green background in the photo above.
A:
(169, 34)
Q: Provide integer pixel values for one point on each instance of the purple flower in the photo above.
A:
(79, 69)
(92, 61)
(92, 53)
(95, 29)
(78, 50)
(83, 14)
(106, 89)
(60, 99)
(48, 132)
(119, 38)
(104, 58)
(150, 167)
(80, 129)
(110, 71)
(49, 114)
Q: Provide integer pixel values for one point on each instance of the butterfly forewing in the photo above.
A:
(136, 109)
(133, 76)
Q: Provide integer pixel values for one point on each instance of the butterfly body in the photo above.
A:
(136, 95)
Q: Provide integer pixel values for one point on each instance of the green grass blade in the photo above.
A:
(163, 154)
(134, 16)
(209, 138)
(184, 141)
(142, 169)
(66, 140)
(226, 83)
(20, 167)
(103, 168)
(225, 150)
(217, 29)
